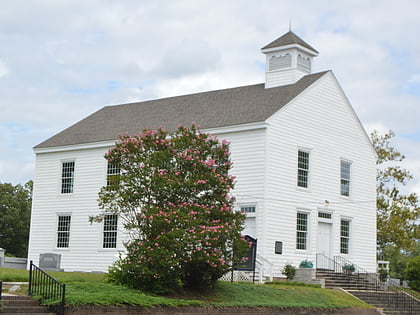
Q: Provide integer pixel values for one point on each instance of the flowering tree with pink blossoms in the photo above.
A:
(173, 195)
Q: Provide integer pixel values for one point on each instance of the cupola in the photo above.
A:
(288, 58)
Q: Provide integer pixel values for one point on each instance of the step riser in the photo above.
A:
(22, 305)
(21, 302)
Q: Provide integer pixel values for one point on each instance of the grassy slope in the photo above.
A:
(88, 288)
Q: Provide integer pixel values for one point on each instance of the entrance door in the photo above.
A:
(324, 244)
(250, 227)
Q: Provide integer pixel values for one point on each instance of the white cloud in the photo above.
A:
(71, 58)
(3, 69)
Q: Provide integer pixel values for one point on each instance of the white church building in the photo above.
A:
(304, 165)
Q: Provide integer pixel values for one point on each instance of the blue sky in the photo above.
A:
(62, 60)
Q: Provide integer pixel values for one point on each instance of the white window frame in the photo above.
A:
(322, 219)
(307, 170)
(344, 179)
(345, 237)
(306, 231)
(59, 230)
(104, 232)
(248, 214)
(64, 190)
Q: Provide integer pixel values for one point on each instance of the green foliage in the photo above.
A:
(397, 213)
(15, 211)
(289, 271)
(83, 293)
(412, 273)
(89, 289)
(173, 196)
(14, 275)
(20, 275)
(383, 274)
(222, 294)
(280, 295)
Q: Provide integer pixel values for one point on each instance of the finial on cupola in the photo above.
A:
(288, 58)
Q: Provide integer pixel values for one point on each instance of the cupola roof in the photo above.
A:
(289, 38)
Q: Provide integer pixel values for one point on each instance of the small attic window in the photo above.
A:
(304, 63)
(280, 62)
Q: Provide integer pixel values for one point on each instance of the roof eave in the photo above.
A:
(273, 49)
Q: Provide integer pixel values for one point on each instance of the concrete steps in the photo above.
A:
(390, 302)
(15, 304)
(346, 281)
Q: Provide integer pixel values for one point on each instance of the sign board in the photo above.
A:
(278, 249)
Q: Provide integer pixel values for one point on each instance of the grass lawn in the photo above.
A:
(89, 288)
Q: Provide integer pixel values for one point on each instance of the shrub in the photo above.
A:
(289, 271)
(173, 195)
(412, 273)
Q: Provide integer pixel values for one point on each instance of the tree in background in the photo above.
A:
(412, 273)
(15, 212)
(398, 213)
(173, 195)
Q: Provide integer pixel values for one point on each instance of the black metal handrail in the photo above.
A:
(47, 288)
(361, 279)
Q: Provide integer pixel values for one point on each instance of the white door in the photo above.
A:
(250, 227)
(324, 239)
(323, 245)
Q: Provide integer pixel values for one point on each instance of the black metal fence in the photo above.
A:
(367, 285)
(1, 288)
(48, 289)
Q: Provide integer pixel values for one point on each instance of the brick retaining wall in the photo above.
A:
(96, 310)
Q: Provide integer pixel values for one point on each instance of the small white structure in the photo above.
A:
(305, 167)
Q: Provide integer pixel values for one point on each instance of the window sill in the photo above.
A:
(303, 189)
(108, 250)
(302, 251)
(62, 249)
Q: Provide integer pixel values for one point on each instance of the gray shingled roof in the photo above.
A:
(235, 106)
(288, 39)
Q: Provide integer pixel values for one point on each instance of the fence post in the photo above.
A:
(1, 288)
(30, 279)
(63, 301)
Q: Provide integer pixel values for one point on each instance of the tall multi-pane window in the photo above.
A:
(303, 169)
(345, 178)
(301, 230)
(110, 231)
(113, 171)
(63, 231)
(344, 236)
(67, 177)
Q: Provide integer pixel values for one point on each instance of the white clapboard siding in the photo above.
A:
(248, 157)
(320, 120)
(85, 252)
